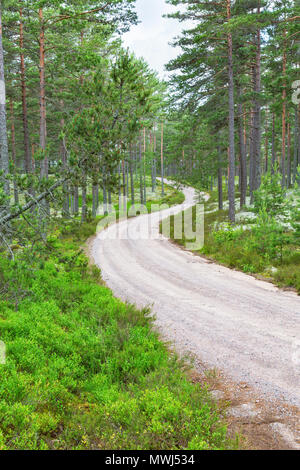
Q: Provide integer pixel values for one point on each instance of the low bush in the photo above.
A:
(84, 370)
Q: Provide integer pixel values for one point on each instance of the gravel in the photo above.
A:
(229, 320)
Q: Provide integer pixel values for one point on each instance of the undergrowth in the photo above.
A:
(265, 249)
(84, 370)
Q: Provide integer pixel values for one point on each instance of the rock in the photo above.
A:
(286, 434)
(247, 410)
(217, 395)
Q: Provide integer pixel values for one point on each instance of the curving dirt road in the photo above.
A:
(247, 328)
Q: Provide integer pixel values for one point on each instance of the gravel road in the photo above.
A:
(231, 321)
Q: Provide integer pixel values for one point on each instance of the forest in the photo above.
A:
(87, 128)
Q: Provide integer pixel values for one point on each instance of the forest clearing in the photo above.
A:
(149, 226)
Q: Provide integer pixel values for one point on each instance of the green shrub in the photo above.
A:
(85, 371)
(270, 197)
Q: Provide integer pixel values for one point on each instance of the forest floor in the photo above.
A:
(81, 369)
(240, 332)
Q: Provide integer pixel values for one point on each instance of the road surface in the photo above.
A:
(231, 321)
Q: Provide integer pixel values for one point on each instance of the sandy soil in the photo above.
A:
(226, 320)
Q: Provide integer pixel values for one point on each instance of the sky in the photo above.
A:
(151, 38)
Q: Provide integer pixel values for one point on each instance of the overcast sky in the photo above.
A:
(151, 38)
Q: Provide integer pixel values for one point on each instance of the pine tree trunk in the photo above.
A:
(76, 200)
(273, 146)
(283, 153)
(84, 202)
(144, 166)
(110, 207)
(162, 161)
(4, 158)
(66, 203)
(266, 144)
(296, 133)
(107, 207)
(28, 160)
(288, 174)
(43, 128)
(251, 153)
(13, 149)
(141, 172)
(220, 178)
(298, 162)
(96, 198)
(124, 185)
(257, 115)
(243, 159)
(131, 177)
(231, 181)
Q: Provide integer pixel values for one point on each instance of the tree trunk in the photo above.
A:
(231, 181)
(28, 160)
(296, 150)
(84, 203)
(43, 128)
(257, 115)
(273, 146)
(96, 198)
(141, 172)
(266, 143)
(106, 208)
(288, 174)
(131, 177)
(298, 160)
(109, 201)
(243, 159)
(162, 161)
(283, 153)
(4, 159)
(220, 178)
(124, 185)
(66, 203)
(13, 150)
(76, 200)
(144, 166)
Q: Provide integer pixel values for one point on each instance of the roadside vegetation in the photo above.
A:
(84, 370)
(264, 241)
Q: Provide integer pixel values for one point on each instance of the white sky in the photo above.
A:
(151, 38)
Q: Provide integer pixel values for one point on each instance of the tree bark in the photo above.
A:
(43, 126)
(288, 169)
(28, 160)
(266, 143)
(273, 146)
(4, 158)
(162, 161)
(131, 177)
(243, 159)
(84, 202)
(257, 114)
(220, 178)
(283, 153)
(13, 150)
(141, 171)
(96, 198)
(296, 133)
(231, 180)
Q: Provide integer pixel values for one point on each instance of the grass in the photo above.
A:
(247, 250)
(84, 370)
